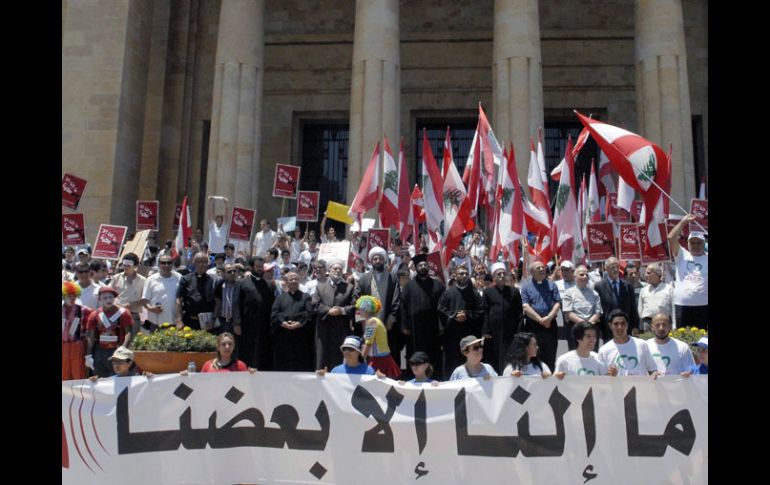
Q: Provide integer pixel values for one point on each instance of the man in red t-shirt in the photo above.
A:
(108, 328)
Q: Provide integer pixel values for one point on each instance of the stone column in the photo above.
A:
(517, 80)
(662, 89)
(375, 86)
(236, 115)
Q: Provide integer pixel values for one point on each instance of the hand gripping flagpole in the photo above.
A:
(674, 201)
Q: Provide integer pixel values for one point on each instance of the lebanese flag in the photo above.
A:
(457, 209)
(388, 209)
(605, 175)
(404, 198)
(448, 159)
(593, 198)
(496, 247)
(541, 166)
(493, 155)
(581, 140)
(416, 215)
(432, 188)
(184, 233)
(567, 240)
(537, 189)
(625, 195)
(368, 192)
(702, 191)
(511, 214)
(583, 209)
(637, 161)
(472, 173)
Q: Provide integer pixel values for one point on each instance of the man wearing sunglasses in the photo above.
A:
(159, 294)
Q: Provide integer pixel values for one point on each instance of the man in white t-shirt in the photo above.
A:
(691, 291)
(264, 239)
(217, 226)
(671, 356)
(625, 355)
(582, 361)
(159, 294)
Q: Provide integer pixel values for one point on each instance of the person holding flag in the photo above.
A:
(691, 291)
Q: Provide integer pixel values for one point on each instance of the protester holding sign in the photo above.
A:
(582, 361)
(672, 356)
(691, 292)
(472, 348)
(217, 226)
(625, 355)
(523, 359)
(224, 362)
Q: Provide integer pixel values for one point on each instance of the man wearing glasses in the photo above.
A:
(691, 291)
(88, 289)
(159, 294)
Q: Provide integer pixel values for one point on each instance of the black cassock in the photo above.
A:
(293, 349)
(420, 315)
(502, 317)
(252, 304)
(452, 301)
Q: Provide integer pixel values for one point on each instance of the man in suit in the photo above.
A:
(616, 293)
(252, 303)
(333, 305)
(384, 285)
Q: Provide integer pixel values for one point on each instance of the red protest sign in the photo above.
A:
(146, 215)
(241, 222)
(617, 214)
(177, 215)
(661, 252)
(73, 229)
(629, 247)
(378, 237)
(109, 240)
(671, 224)
(700, 209)
(636, 210)
(72, 189)
(286, 181)
(434, 264)
(307, 205)
(601, 241)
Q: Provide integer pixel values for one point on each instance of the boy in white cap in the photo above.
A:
(353, 360)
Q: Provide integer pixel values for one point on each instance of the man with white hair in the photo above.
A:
(616, 294)
(502, 317)
(656, 297)
(384, 285)
(691, 292)
(581, 304)
(333, 305)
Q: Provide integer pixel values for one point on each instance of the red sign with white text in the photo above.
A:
(434, 264)
(629, 247)
(72, 189)
(177, 215)
(241, 222)
(73, 229)
(661, 252)
(146, 215)
(307, 205)
(109, 240)
(601, 241)
(618, 214)
(378, 237)
(700, 209)
(286, 181)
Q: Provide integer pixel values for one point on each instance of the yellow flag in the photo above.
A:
(338, 212)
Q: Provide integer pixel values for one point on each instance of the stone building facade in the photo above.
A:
(162, 98)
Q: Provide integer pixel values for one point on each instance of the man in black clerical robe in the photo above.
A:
(502, 318)
(252, 304)
(463, 311)
(420, 318)
(293, 334)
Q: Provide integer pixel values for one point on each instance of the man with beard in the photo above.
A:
(384, 285)
(333, 305)
(195, 294)
(420, 317)
(463, 310)
(671, 356)
(292, 335)
(541, 302)
(252, 303)
(502, 317)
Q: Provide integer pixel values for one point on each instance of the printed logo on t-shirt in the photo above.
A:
(585, 372)
(664, 358)
(627, 358)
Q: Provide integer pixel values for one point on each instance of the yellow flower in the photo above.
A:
(702, 332)
(186, 328)
(165, 325)
(188, 335)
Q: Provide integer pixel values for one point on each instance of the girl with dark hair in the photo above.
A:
(522, 357)
(224, 361)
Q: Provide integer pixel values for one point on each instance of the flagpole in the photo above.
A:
(705, 231)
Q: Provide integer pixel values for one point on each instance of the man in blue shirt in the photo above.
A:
(703, 357)
(541, 303)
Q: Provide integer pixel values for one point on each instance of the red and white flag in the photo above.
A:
(472, 173)
(625, 195)
(492, 154)
(388, 209)
(404, 202)
(448, 159)
(583, 209)
(639, 162)
(581, 140)
(416, 215)
(541, 166)
(605, 175)
(457, 210)
(593, 198)
(432, 188)
(567, 233)
(511, 214)
(184, 233)
(537, 188)
(368, 192)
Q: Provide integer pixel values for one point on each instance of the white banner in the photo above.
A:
(273, 427)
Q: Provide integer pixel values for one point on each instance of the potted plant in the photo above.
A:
(169, 350)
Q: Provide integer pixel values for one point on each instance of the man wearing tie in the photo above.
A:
(616, 294)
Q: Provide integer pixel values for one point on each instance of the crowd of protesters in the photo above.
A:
(278, 306)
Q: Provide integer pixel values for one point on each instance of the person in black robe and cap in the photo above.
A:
(293, 336)
(463, 311)
(502, 317)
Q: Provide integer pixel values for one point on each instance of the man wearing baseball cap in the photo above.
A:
(702, 347)
(691, 291)
(472, 348)
(108, 328)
